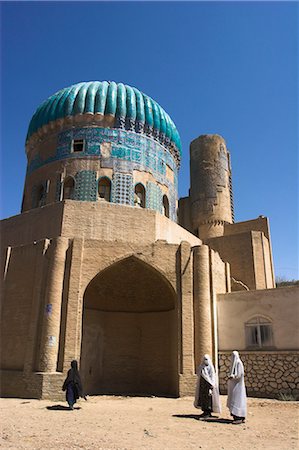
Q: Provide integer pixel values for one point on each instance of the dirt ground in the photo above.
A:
(131, 423)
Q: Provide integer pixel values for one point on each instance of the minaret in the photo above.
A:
(211, 190)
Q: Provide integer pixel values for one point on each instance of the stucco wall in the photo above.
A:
(280, 306)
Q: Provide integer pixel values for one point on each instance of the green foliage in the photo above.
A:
(283, 282)
(286, 397)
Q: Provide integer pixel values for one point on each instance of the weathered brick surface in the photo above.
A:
(165, 346)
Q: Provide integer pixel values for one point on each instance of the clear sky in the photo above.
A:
(229, 68)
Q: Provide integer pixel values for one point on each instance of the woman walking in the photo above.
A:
(73, 385)
(207, 393)
(236, 400)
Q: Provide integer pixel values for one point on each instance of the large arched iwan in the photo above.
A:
(130, 332)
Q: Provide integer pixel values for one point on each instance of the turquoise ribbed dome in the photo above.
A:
(123, 102)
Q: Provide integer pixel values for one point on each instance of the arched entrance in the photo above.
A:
(130, 338)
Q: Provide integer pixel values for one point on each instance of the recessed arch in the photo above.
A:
(129, 333)
(39, 195)
(140, 195)
(68, 188)
(165, 206)
(104, 189)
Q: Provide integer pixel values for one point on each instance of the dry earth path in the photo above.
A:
(133, 423)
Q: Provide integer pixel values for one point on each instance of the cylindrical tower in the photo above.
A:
(211, 190)
(102, 141)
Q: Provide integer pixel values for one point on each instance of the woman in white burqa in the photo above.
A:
(207, 393)
(236, 400)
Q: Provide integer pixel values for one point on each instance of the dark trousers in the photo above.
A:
(70, 395)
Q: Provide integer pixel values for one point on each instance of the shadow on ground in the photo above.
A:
(198, 417)
(61, 408)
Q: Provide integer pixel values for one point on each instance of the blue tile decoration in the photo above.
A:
(130, 107)
(122, 189)
(129, 152)
(125, 145)
(153, 196)
(86, 186)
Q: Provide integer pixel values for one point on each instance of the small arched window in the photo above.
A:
(68, 188)
(41, 194)
(104, 189)
(258, 332)
(165, 206)
(139, 197)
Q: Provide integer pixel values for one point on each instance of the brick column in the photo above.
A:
(73, 329)
(32, 350)
(52, 306)
(202, 303)
(187, 332)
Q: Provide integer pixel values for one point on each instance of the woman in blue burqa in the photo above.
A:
(73, 385)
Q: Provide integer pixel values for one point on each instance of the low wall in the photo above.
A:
(32, 385)
(267, 374)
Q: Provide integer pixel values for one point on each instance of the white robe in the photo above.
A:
(236, 400)
(208, 373)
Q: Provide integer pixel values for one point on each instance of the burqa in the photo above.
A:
(236, 399)
(73, 385)
(207, 393)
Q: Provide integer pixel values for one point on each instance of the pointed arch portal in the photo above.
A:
(130, 335)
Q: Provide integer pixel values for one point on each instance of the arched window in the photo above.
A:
(40, 195)
(165, 210)
(68, 188)
(258, 332)
(139, 197)
(104, 189)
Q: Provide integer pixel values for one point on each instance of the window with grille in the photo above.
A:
(78, 145)
(259, 333)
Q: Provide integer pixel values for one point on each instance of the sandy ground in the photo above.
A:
(131, 423)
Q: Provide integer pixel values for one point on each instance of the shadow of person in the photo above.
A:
(60, 408)
(217, 420)
(199, 417)
(187, 416)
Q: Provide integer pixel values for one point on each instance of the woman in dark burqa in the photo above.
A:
(73, 385)
(207, 393)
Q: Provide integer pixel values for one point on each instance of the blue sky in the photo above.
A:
(216, 67)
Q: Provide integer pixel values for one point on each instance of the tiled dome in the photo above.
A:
(131, 108)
